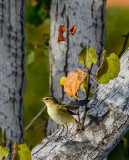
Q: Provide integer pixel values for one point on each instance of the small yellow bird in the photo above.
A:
(61, 113)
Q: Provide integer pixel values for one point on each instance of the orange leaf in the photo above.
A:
(73, 29)
(73, 82)
(60, 33)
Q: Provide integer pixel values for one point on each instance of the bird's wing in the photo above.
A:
(72, 113)
(63, 108)
(72, 106)
(76, 105)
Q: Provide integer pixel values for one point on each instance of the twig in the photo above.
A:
(39, 126)
(35, 45)
(89, 86)
(124, 45)
(94, 80)
(35, 118)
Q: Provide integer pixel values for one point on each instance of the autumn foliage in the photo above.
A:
(73, 82)
(108, 70)
(60, 33)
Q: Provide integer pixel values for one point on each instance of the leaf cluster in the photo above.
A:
(21, 152)
(108, 70)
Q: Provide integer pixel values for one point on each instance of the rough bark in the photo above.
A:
(88, 16)
(12, 54)
(107, 122)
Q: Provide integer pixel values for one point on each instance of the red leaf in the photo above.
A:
(61, 31)
(73, 29)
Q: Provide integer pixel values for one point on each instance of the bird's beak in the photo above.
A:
(42, 99)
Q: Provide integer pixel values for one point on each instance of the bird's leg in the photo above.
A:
(66, 129)
(63, 127)
(79, 130)
(61, 130)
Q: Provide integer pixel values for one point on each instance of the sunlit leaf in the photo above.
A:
(84, 87)
(109, 68)
(62, 80)
(24, 152)
(73, 82)
(91, 57)
(21, 152)
(87, 57)
(30, 57)
(47, 21)
(3, 152)
(82, 55)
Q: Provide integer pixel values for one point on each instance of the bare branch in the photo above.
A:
(35, 118)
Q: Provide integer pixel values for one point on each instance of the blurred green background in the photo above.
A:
(37, 65)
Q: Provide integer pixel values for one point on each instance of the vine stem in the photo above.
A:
(94, 80)
(89, 86)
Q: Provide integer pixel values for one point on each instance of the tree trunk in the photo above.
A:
(107, 122)
(89, 17)
(12, 69)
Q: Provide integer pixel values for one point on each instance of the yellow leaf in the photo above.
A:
(62, 80)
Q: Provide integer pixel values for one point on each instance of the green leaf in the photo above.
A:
(30, 57)
(3, 152)
(84, 87)
(46, 37)
(87, 57)
(45, 50)
(24, 152)
(47, 21)
(109, 68)
(21, 152)
(82, 55)
(91, 57)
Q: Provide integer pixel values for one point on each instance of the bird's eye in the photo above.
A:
(46, 98)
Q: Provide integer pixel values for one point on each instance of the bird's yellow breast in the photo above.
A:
(60, 116)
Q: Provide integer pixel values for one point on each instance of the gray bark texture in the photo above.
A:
(89, 17)
(106, 123)
(12, 69)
